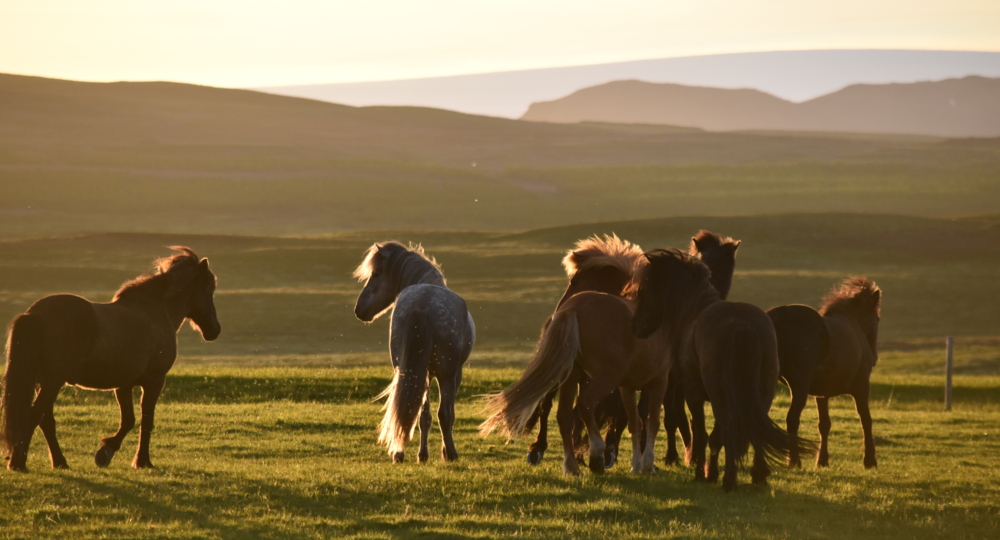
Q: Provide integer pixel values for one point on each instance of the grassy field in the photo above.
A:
(290, 452)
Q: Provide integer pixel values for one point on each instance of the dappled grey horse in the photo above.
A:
(431, 335)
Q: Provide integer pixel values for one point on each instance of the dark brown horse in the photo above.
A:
(729, 357)
(431, 336)
(830, 353)
(719, 254)
(601, 265)
(132, 341)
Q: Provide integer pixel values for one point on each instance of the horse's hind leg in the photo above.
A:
(586, 406)
(537, 449)
(861, 404)
(110, 445)
(732, 468)
(425, 428)
(761, 470)
(699, 437)
(150, 393)
(566, 417)
(823, 407)
(799, 395)
(48, 425)
(634, 427)
(715, 446)
(41, 408)
(448, 388)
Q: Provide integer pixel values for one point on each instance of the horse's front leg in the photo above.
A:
(699, 436)
(110, 445)
(656, 393)
(150, 393)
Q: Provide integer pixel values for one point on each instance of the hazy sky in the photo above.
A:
(246, 43)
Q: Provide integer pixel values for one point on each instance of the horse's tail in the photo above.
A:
(511, 410)
(748, 421)
(19, 380)
(408, 388)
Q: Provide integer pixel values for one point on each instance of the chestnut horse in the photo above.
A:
(132, 341)
(830, 353)
(431, 335)
(599, 265)
(729, 357)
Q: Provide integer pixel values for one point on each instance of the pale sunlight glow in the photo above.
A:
(247, 43)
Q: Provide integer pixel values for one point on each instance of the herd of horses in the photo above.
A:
(655, 323)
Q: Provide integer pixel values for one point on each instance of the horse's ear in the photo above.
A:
(877, 296)
(736, 245)
(203, 265)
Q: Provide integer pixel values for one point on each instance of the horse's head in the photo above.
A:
(719, 253)
(380, 292)
(201, 314)
(861, 299)
(665, 286)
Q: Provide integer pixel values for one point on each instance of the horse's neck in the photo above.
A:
(172, 312)
(425, 278)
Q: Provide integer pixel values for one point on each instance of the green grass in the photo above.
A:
(289, 452)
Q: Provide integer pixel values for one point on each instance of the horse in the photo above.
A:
(719, 254)
(131, 341)
(828, 353)
(601, 265)
(608, 266)
(431, 334)
(728, 354)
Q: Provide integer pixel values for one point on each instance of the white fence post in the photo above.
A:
(947, 374)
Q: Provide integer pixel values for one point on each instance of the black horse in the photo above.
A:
(830, 353)
(132, 341)
(728, 354)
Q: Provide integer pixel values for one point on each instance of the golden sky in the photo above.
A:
(255, 43)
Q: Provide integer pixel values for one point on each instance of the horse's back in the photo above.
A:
(849, 356)
(722, 328)
(803, 340)
(443, 310)
(605, 325)
(65, 328)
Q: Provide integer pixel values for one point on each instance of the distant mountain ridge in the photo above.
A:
(966, 107)
(793, 75)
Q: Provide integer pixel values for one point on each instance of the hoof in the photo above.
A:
(448, 456)
(397, 457)
(871, 464)
(17, 467)
(597, 464)
(610, 458)
(795, 463)
(64, 466)
(671, 457)
(422, 456)
(143, 464)
(103, 456)
(535, 456)
(728, 488)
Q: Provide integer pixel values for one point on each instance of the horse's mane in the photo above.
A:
(172, 273)
(406, 264)
(706, 239)
(595, 252)
(854, 293)
(686, 276)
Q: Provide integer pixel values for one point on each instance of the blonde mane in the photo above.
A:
(595, 252)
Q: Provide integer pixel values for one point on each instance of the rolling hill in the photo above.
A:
(166, 157)
(967, 107)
